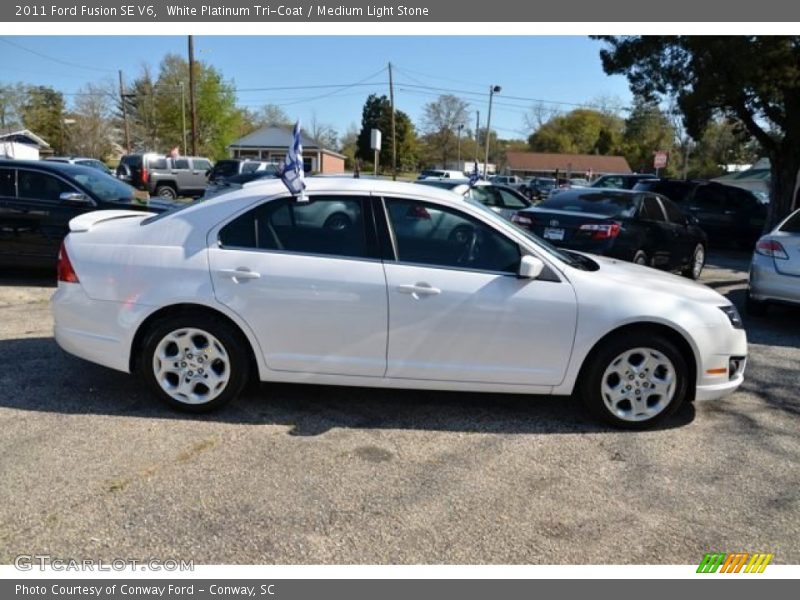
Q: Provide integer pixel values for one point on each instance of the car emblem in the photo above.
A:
(554, 223)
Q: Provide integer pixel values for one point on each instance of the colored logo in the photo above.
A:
(734, 563)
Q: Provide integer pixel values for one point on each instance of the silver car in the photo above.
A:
(775, 269)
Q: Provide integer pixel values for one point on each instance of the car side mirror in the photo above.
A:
(530, 267)
(75, 198)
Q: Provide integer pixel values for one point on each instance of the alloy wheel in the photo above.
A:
(638, 384)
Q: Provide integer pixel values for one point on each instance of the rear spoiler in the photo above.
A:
(88, 220)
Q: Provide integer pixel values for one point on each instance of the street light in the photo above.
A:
(493, 89)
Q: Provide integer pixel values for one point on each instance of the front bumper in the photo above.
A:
(718, 390)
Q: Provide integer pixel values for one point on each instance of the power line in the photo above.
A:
(53, 58)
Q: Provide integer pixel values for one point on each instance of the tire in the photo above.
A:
(338, 222)
(696, 264)
(615, 374)
(640, 258)
(167, 192)
(753, 307)
(210, 370)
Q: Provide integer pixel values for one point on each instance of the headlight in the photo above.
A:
(733, 316)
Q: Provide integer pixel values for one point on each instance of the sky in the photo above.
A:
(563, 71)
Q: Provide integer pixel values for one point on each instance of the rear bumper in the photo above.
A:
(766, 284)
(89, 329)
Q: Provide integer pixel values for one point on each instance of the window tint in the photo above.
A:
(485, 195)
(792, 225)
(181, 163)
(41, 186)
(511, 201)
(651, 210)
(708, 197)
(438, 236)
(201, 164)
(132, 160)
(674, 214)
(324, 225)
(609, 182)
(157, 163)
(7, 183)
(226, 168)
(250, 167)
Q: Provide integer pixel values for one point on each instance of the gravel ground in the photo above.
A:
(92, 467)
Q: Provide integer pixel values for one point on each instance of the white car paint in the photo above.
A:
(339, 320)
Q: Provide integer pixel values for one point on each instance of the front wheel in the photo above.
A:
(167, 192)
(635, 381)
(640, 258)
(696, 264)
(194, 363)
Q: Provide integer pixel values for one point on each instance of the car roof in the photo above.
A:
(48, 165)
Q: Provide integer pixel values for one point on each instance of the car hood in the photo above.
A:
(645, 280)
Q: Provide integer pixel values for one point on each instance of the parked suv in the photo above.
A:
(229, 167)
(165, 176)
(725, 213)
(84, 161)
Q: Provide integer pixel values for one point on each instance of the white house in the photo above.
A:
(21, 144)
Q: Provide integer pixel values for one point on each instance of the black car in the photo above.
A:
(619, 181)
(639, 227)
(726, 213)
(227, 184)
(38, 199)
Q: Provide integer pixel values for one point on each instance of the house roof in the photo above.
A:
(24, 136)
(546, 161)
(277, 137)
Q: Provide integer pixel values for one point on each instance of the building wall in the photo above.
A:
(331, 164)
(19, 151)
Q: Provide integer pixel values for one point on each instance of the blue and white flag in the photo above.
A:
(292, 173)
(475, 176)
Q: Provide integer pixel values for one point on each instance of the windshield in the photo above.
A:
(600, 203)
(572, 260)
(105, 187)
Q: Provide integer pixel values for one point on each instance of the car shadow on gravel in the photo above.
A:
(44, 378)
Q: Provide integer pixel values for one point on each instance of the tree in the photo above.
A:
(753, 80)
(12, 98)
(441, 121)
(325, 135)
(647, 130)
(91, 131)
(269, 115)
(142, 117)
(377, 114)
(43, 113)
(581, 131)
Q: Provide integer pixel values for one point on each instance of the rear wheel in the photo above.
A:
(194, 363)
(635, 381)
(640, 258)
(167, 192)
(696, 264)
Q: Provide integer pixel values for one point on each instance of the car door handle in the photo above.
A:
(419, 290)
(240, 274)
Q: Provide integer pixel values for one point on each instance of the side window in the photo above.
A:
(792, 224)
(651, 210)
(40, 186)
(511, 201)
(250, 167)
(329, 225)
(201, 164)
(674, 214)
(7, 187)
(611, 182)
(708, 198)
(157, 163)
(443, 237)
(485, 195)
(181, 163)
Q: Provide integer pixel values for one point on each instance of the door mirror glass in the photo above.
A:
(75, 198)
(530, 267)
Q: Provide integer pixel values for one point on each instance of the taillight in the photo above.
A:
(601, 231)
(145, 175)
(522, 220)
(771, 248)
(65, 271)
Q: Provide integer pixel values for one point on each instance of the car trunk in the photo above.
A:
(790, 266)
(570, 228)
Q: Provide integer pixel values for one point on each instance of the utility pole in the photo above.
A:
(192, 110)
(460, 128)
(477, 136)
(394, 129)
(493, 89)
(184, 149)
(124, 114)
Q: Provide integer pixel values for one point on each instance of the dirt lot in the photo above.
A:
(92, 467)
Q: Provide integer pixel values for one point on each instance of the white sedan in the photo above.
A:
(198, 300)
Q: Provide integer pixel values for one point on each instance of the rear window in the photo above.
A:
(674, 190)
(132, 160)
(792, 225)
(157, 163)
(602, 203)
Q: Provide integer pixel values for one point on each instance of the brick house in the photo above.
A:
(545, 164)
(272, 143)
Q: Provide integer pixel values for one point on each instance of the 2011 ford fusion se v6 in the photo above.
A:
(381, 284)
